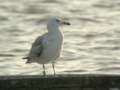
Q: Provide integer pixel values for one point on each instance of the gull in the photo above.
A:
(47, 48)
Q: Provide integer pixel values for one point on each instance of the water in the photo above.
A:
(91, 44)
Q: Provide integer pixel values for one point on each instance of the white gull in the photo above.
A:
(47, 48)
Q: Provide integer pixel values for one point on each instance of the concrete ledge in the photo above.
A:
(60, 82)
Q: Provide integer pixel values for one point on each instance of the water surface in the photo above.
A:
(91, 44)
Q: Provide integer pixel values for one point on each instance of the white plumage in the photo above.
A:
(47, 48)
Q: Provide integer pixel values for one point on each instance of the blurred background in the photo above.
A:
(91, 43)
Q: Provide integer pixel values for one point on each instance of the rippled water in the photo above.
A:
(91, 44)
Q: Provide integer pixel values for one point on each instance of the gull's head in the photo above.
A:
(54, 22)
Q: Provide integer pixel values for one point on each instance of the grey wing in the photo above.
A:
(37, 47)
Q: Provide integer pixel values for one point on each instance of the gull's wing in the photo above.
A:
(36, 49)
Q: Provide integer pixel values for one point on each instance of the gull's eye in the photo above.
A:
(57, 20)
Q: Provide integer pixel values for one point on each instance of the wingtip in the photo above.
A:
(27, 62)
(25, 58)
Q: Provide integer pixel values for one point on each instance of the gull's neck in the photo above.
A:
(53, 29)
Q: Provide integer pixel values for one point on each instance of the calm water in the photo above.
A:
(91, 44)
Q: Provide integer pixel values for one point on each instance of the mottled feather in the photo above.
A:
(36, 49)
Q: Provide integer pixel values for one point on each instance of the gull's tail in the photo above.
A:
(25, 58)
(28, 59)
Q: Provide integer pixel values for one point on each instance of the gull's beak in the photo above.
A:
(66, 23)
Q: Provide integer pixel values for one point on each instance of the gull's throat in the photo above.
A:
(53, 29)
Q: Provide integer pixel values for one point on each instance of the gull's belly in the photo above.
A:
(52, 50)
(52, 46)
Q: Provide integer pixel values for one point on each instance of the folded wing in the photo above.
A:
(36, 49)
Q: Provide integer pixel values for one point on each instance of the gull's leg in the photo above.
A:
(53, 66)
(44, 73)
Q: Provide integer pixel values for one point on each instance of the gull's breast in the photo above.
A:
(53, 46)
